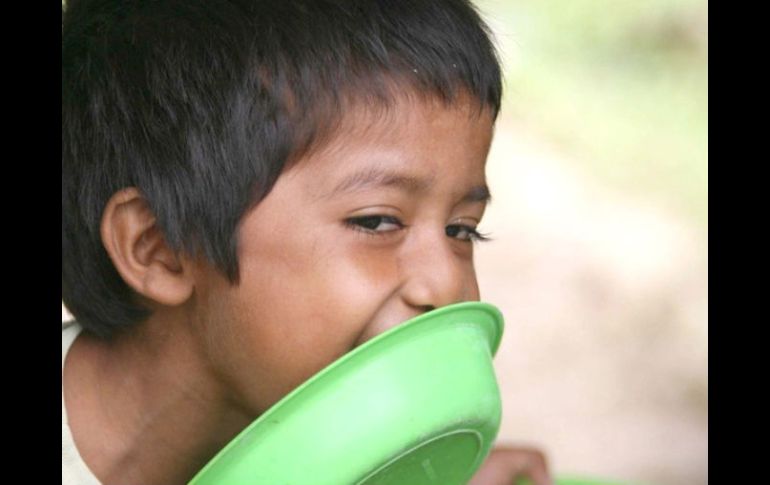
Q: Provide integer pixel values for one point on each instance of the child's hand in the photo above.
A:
(505, 464)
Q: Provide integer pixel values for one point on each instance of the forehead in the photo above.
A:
(421, 140)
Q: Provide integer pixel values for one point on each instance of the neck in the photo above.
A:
(144, 407)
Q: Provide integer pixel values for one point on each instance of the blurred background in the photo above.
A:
(599, 220)
(599, 223)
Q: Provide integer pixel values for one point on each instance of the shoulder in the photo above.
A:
(69, 331)
(74, 469)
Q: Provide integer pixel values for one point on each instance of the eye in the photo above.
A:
(465, 233)
(375, 224)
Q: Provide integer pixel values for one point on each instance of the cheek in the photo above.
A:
(297, 311)
(319, 280)
(368, 273)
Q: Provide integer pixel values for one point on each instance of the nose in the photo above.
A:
(436, 274)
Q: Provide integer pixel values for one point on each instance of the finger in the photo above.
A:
(505, 464)
(525, 463)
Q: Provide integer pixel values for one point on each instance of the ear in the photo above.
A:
(140, 253)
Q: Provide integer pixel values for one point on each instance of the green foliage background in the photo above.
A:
(621, 85)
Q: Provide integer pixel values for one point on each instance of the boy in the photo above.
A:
(251, 189)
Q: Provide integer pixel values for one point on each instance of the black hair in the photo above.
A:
(200, 104)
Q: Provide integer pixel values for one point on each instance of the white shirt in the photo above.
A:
(74, 471)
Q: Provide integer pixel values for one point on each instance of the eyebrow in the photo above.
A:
(376, 177)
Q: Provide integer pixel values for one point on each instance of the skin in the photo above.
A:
(321, 272)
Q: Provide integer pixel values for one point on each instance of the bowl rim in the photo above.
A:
(494, 331)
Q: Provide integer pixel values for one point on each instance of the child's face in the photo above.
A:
(352, 240)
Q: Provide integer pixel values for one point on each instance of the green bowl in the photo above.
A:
(418, 404)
